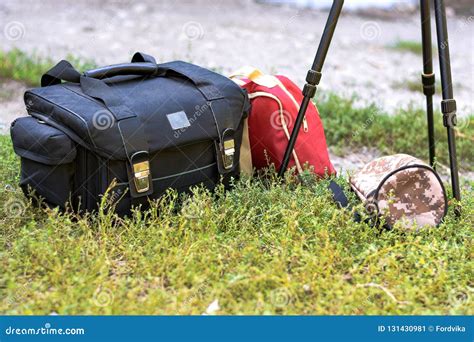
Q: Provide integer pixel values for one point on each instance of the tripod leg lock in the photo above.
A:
(313, 77)
(448, 108)
(309, 90)
(428, 81)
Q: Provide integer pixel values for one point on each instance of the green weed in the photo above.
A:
(21, 66)
(350, 128)
(408, 46)
(266, 247)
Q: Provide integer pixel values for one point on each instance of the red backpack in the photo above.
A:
(275, 103)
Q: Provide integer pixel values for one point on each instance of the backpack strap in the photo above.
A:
(256, 76)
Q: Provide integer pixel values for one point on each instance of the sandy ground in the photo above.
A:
(229, 34)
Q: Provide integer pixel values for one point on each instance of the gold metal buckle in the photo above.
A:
(141, 173)
(228, 154)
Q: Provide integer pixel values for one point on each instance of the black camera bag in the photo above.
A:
(147, 126)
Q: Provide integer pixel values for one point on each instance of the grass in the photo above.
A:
(265, 247)
(351, 128)
(28, 68)
(408, 46)
(262, 248)
(416, 86)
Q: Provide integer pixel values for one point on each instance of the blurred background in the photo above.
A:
(375, 55)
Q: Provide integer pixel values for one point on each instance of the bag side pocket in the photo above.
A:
(47, 160)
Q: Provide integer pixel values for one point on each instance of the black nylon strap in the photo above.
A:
(136, 146)
(338, 194)
(111, 97)
(61, 71)
(225, 127)
(130, 125)
(196, 75)
(140, 57)
(64, 71)
(219, 109)
(133, 132)
(340, 198)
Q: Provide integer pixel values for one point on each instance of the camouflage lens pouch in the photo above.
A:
(403, 189)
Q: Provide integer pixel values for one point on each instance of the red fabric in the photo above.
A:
(268, 140)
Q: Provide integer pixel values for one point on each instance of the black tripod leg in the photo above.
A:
(312, 79)
(428, 77)
(448, 104)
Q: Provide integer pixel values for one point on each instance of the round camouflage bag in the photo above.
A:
(403, 189)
